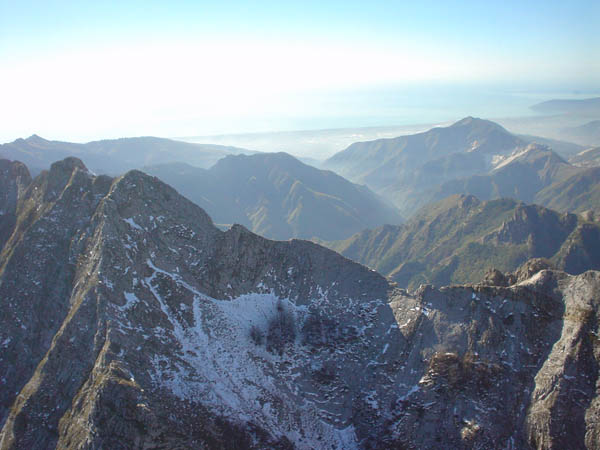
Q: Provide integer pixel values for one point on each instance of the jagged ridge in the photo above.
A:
(457, 239)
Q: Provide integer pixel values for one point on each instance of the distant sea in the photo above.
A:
(317, 124)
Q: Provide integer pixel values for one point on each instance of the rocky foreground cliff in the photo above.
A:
(130, 321)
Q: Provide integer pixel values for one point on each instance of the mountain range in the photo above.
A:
(461, 238)
(130, 321)
(279, 197)
(114, 156)
(472, 156)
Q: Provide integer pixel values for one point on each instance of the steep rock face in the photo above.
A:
(14, 179)
(565, 397)
(513, 367)
(581, 250)
(157, 330)
(38, 265)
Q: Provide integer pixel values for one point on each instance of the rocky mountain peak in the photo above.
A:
(63, 173)
(34, 139)
(476, 123)
(411, 169)
(13, 170)
(527, 270)
(137, 194)
(467, 122)
(67, 165)
(468, 201)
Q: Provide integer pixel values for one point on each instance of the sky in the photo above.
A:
(83, 70)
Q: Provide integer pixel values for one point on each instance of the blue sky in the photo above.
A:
(101, 69)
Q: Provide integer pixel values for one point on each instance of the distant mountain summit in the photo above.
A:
(472, 156)
(406, 167)
(376, 160)
(128, 320)
(279, 197)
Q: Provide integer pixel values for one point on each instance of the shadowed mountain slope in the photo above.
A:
(279, 197)
(458, 239)
(14, 179)
(578, 193)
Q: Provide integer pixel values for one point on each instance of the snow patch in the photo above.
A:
(132, 224)
(130, 301)
(410, 392)
(215, 361)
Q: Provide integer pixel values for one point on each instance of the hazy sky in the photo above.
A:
(80, 70)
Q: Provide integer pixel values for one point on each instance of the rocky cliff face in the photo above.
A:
(130, 321)
(14, 179)
(511, 367)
